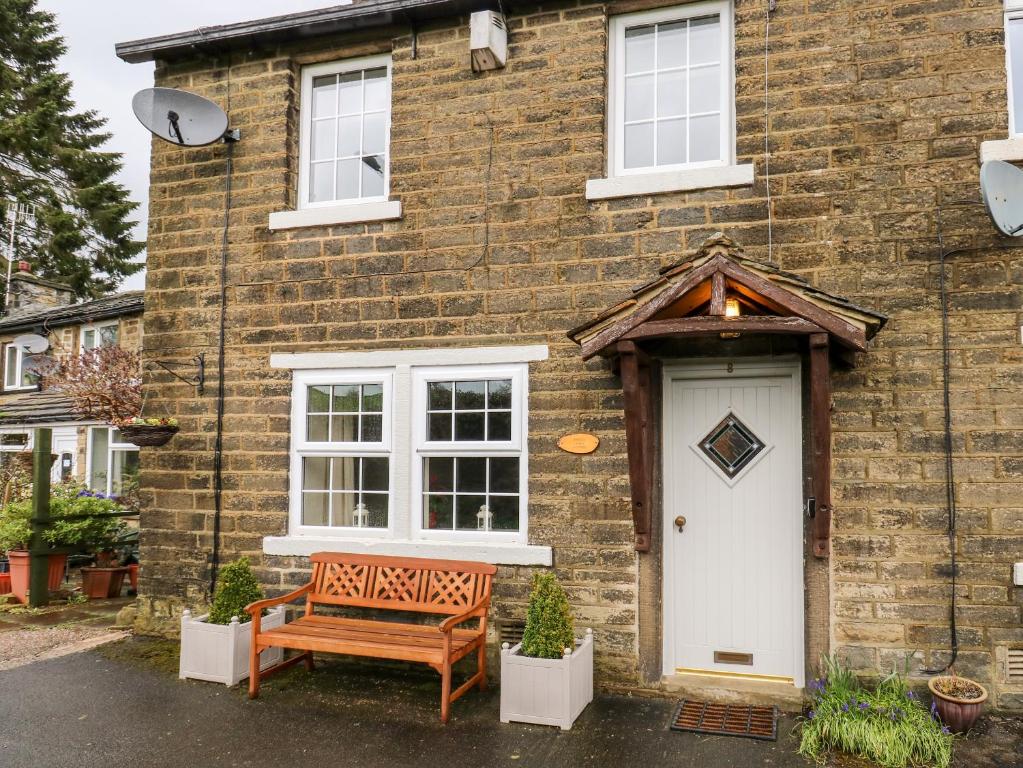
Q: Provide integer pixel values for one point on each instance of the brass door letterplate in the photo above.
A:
(732, 657)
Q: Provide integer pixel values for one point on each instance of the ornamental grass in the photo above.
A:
(888, 725)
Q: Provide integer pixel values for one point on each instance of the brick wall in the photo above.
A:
(876, 111)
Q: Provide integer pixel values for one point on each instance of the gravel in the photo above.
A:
(22, 646)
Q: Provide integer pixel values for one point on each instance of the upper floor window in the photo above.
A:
(671, 95)
(15, 375)
(346, 111)
(95, 336)
(1014, 64)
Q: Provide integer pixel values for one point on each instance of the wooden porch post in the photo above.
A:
(39, 565)
(635, 370)
(820, 426)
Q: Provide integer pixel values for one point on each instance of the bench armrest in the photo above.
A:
(479, 609)
(256, 609)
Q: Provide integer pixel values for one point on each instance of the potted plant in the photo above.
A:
(215, 646)
(5, 576)
(149, 432)
(548, 677)
(957, 701)
(79, 523)
(106, 384)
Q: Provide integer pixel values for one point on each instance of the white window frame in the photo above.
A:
(616, 84)
(403, 539)
(514, 447)
(1013, 11)
(112, 447)
(97, 328)
(302, 447)
(305, 131)
(19, 370)
(1009, 149)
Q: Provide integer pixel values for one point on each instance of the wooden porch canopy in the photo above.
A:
(719, 293)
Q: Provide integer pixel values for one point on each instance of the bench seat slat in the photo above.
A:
(384, 636)
(395, 628)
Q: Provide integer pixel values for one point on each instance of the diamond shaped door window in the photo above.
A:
(731, 445)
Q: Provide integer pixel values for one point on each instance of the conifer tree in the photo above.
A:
(51, 158)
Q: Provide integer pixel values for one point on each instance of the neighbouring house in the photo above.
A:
(86, 451)
(709, 242)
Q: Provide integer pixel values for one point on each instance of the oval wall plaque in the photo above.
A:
(579, 442)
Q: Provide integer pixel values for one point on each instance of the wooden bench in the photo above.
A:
(459, 590)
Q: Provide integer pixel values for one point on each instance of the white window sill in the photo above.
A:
(476, 551)
(670, 181)
(1005, 149)
(348, 213)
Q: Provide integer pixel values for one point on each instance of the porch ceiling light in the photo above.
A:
(731, 308)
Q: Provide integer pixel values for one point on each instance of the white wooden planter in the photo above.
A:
(546, 691)
(220, 652)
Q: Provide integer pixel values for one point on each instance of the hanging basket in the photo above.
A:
(146, 435)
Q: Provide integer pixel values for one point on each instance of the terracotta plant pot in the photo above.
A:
(133, 577)
(958, 713)
(102, 583)
(5, 583)
(20, 570)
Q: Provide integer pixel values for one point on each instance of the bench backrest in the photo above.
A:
(399, 583)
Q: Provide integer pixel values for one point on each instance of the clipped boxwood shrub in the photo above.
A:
(549, 628)
(236, 588)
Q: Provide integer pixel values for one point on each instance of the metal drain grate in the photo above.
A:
(726, 719)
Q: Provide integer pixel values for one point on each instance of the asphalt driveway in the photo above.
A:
(122, 705)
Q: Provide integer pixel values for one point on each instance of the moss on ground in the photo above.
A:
(149, 652)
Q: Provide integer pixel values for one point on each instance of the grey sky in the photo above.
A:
(105, 83)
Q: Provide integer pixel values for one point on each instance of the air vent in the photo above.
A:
(510, 632)
(1014, 665)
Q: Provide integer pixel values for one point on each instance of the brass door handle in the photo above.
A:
(680, 522)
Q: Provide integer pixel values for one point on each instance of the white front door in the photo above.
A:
(733, 574)
(64, 443)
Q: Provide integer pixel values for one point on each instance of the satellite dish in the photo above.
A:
(32, 342)
(180, 117)
(1001, 187)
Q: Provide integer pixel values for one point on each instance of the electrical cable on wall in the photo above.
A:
(218, 446)
(948, 445)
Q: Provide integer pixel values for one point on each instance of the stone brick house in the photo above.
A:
(431, 280)
(86, 451)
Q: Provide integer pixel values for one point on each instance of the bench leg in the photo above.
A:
(481, 665)
(445, 692)
(309, 661)
(253, 671)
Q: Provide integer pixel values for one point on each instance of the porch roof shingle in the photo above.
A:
(38, 408)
